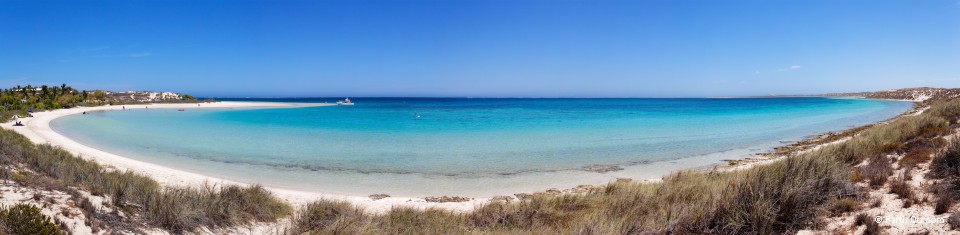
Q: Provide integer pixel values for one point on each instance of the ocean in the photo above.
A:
(463, 146)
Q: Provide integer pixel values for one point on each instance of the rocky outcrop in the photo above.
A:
(447, 199)
(378, 196)
(602, 168)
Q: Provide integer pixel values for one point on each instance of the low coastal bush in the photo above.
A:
(842, 206)
(876, 171)
(903, 190)
(946, 167)
(916, 156)
(872, 227)
(26, 219)
(946, 163)
(325, 216)
(176, 209)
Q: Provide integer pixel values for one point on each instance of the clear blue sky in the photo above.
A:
(492, 48)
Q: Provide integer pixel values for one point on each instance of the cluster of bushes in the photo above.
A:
(18, 100)
(784, 196)
(41, 98)
(173, 208)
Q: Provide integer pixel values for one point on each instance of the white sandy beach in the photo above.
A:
(38, 130)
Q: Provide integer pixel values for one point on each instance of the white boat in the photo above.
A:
(345, 102)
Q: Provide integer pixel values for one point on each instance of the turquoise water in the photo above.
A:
(456, 138)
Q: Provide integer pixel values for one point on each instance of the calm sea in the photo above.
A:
(413, 146)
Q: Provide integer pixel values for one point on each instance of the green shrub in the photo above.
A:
(26, 219)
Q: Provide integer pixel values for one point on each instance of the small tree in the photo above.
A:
(99, 96)
(66, 100)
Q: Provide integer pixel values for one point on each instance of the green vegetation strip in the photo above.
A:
(21, 100)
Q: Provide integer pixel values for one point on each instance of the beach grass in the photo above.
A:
(784, 196)
(175, 209)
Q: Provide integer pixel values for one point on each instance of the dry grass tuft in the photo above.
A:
(872, 227)
(902, 189)
(843, 206)
(877, 171)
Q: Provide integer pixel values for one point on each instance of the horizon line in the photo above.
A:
(520, 97)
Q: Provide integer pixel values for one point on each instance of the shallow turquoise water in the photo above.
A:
(460, 137)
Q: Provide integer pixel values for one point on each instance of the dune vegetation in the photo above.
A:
(793, 193)
(134, 199)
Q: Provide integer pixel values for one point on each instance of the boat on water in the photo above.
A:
(345, 102)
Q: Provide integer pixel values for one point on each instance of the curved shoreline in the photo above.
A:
(39, 131)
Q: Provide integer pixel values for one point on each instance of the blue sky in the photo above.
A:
(494, 48)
